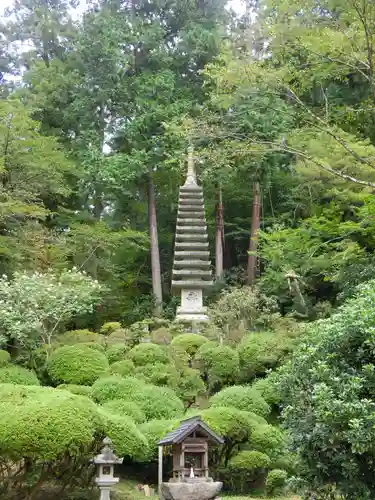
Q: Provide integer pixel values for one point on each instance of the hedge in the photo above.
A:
(76, 364)
(243, 398)
(14, 374)
(125, 408)
(147, 353)
(190, 342)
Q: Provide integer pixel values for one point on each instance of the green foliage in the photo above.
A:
(154, 431)
(81, 390)
(13, 374)
(127, 440)
(276, 480)
(162, 336)
(110, 327)
(116, 352)
(243, 398)
(268, 388)
(4, 357)
(268, 439)
(158, 373)
(188, 385)
(245, 467)
(124, 368)
(115, 387)
(327, 391)
(35, 305)
(190, 342)
(76, 365)
(261, 351)
(93, 345)
(147, 353)
(84, 336)
(43, 423)
(125, 408)
(218, 364)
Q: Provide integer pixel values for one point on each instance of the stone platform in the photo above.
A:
(196, 490)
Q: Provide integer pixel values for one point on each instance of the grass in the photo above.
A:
(128, 488)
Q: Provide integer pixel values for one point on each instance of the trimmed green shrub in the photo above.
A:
(110, 327)
(147, 353)
(127, 440)
(161, 336)
(218, 364)
(4, 357)
(190, 342)
(125, 408)
(13, 374)
(44, 423)
(158, 402)
(188, 385)
(268, 439)
(82, 390)
(260, 351)
(243, 398)
(154, 431)
(117, 352)
(268, 389)
(79, 336)
(124, 368)
(93, 345)
(116, 387)
(276, 480)
(76, 365)
(158, 373)
(245, 468)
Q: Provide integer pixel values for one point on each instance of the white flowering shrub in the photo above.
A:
(34, 307)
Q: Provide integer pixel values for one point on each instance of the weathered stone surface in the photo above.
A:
(191, 491)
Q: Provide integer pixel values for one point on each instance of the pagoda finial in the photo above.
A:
(191, 177)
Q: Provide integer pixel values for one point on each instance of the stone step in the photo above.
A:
(191, 208)
(190, 273)
(191, 284)
(191, 188)
(189, 215)
(191, 254)
(196, 264)
(191, 237)
(194, 245)
(191, 201)
(201, 221)
(191, 229)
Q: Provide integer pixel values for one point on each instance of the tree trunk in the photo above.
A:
(254, 237)
(155, 257)
(219, 254)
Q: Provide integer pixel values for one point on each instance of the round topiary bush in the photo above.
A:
(76, 365)
(268, 389)
(190, 342)
(44, 423)
(117, 352)
(81, 390)
(116, 387)
(243, 398)
(188, 385)
(73, 337)
(127, 440)
(161, 336)
(154, 431)
(110, 327)
(147, 353)
(158, 402)
(158, 373)
(124, 368)
(268, 439)
(275, 481)
(125, 408)
(13, 374)
(93, 345)
(245, 468)
(4, 357)
(218, 364)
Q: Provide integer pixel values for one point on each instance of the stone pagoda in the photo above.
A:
(191, 267)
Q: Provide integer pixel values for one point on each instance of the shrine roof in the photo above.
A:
(186, 428)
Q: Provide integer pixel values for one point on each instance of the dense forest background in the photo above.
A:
(97, 111)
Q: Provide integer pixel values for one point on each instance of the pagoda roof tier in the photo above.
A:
(181, 254)
(192, 284)
(192, 222)
(193, 264)
(181, 236)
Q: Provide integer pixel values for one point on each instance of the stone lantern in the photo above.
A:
(106, 461)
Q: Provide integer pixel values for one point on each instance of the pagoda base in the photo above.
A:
(189, 315)
(192, 308)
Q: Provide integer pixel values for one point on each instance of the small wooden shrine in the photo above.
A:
(190, 443)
